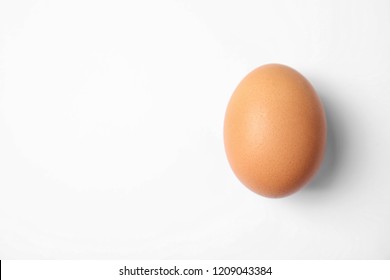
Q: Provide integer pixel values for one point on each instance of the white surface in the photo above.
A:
(111, 116)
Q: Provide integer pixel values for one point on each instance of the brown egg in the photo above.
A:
(274, 131)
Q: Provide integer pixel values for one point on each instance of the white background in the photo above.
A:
(111, 117)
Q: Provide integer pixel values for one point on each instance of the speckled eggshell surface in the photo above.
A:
(274, 131)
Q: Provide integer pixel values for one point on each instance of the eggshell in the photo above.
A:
(274, 131)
